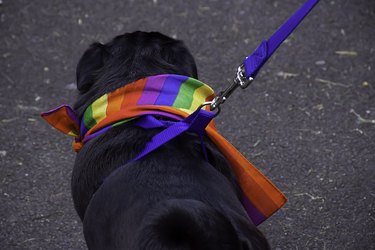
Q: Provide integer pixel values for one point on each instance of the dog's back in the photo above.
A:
(171, 199)
(161, 204)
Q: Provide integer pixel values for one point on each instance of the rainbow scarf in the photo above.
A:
(175, 97)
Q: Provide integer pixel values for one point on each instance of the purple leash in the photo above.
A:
(254, 62)
(196, 122)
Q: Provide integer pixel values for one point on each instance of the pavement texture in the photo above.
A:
(307, 122)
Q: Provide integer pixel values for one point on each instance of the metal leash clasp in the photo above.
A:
(239, 81)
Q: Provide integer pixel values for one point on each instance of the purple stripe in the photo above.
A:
(170, 90)
(151, 90)
(255, 215)
(82, 129)
(72, 115)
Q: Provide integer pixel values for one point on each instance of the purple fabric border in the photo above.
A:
(82, 128)
(72, 114)
(164, 114)
(161, 113)
(255, 215)
(68, 109)
(53, 110)
(101, 131)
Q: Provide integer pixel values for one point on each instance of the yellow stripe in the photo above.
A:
(99, 108)
(200, 95)
(188, 111)
(71, 133)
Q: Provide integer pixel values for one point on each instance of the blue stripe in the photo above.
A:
(170, 90)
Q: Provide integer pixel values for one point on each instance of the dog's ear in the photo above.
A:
(89, 66)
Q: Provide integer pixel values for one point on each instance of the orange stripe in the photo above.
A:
(132, 93)
(62, 122)
(114, 101)
(210, 98)
(258, 188)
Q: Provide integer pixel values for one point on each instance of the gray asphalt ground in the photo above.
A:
(308, 121)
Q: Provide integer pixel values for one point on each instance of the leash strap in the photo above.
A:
(256, 60)
(196, 122)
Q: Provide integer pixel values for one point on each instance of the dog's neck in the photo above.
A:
(175, 91)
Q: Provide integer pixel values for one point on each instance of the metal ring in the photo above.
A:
(209, 104)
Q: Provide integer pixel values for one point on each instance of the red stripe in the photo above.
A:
(132, 93)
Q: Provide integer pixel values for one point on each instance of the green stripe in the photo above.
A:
(88, 120)
(123, 121)
(186, 93)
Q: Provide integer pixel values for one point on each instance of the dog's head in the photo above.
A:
(129, 57)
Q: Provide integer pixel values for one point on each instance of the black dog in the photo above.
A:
(171, 199)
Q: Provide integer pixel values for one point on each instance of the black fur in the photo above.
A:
(172, 198)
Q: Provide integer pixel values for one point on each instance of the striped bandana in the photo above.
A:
(175, 97)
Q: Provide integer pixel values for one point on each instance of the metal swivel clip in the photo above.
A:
(239, 81)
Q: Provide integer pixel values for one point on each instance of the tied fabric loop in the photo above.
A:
(196, 122)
